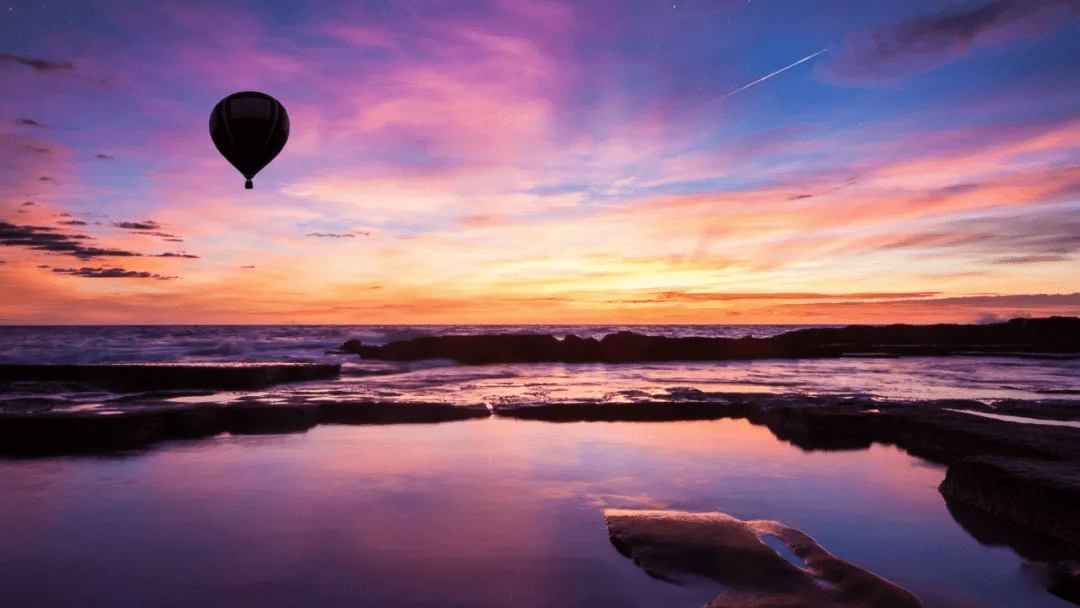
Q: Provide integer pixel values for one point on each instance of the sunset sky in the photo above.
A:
(544, 161)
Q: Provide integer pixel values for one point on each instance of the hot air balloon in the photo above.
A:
(249, 129)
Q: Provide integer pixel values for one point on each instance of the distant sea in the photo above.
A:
(911, 378)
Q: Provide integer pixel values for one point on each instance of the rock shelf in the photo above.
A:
(671, 545)
(135, 426)
(1054, 336)
(136, 377)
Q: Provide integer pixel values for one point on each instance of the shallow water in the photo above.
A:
(490, 512)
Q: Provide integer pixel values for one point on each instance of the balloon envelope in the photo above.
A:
(249, 129)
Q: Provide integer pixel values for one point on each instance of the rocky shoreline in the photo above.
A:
(1047, 337)
(1019, 474)
(148, 376)
(1035, 467)
(1020, 477)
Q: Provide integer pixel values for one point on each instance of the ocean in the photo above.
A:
(910, 378)
(488, 512)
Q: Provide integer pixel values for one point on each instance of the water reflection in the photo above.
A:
(478, 513)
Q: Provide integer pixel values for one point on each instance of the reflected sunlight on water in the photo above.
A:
(489, 512)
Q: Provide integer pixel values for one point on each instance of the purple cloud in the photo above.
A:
(147, 225)
(38, 65)
(915, 46)
(45, 238)
(110, 273)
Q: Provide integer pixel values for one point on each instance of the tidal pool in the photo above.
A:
(489, 512)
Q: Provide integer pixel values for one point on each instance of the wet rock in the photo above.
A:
(996, 531)
(651, 411)
(47, 433)
(143, 377)
(505, 348)
(125, 426)
(351, 346)
(1062, 578)
(1057, 335)
(672, 545)
(823, 428)
(1037, 494)
(255, 418)
(376, 412)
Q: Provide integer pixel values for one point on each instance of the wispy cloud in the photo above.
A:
(29, 122)
(684, 296)
(45, 238)
(919, 45)
(38, 65)
(110, 273)
(145, 225)
(339, 235)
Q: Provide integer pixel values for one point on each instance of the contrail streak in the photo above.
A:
(770, 75)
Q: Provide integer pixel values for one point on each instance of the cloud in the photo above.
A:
(38, 65)
(71, 222)
(28, 204)
(146, 225)
(44, 238)
(925, 43)
(1032, 259)
(105, 156)
(339, 235)
(44, 66)
(29, 122)
(46, 178)
(684, 296)
(164, 235)
(110, 273)
(176, 255)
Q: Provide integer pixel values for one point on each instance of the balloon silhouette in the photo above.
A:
(249, 129)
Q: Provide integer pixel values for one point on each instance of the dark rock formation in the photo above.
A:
(351, 346)
(1062, 578)
(49, 433)
(925, 429)
(137, 377)
(1031, 506)
(1054, 335)
(1053, 562)
(1037, 494)
(60, 432)
(651, 411)
(670, 545)
(1023, 473)
(256, 418)
(380, 412)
